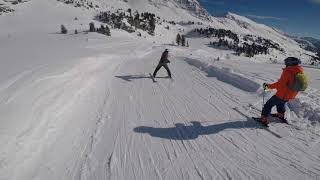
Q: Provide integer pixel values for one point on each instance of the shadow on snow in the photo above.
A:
(183, 132)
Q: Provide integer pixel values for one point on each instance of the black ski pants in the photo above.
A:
(158, 68)
(274, 101)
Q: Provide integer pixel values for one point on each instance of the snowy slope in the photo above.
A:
(82, 106)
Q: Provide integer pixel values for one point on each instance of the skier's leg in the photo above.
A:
(168, 70)
(281, 106)
(281, 109)
(268, 106)
(156, 70)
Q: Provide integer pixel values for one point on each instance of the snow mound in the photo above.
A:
(226, 75)
(307, 106)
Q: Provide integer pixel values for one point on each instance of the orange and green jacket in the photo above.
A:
(286, 79)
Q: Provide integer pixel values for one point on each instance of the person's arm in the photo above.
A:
(282, 80)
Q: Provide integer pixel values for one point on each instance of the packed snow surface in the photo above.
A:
(83, 106)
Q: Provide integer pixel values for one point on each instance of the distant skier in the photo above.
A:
(292, 81)
(163, 63)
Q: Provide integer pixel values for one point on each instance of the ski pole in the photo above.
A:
(264, 92)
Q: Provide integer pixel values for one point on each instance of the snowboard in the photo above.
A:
(151, 76)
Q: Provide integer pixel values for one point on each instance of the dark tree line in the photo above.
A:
(80, 3)
(4, 9)
(219, 33)
(251, 49)
(181, 40)
(102, 30)
(248, 50)
(144, 21)
(263, 42)
(252, 45)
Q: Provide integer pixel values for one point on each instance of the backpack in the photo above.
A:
(300, 82)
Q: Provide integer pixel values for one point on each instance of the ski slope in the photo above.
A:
(82, 106)
(104, 118)
(188, 129)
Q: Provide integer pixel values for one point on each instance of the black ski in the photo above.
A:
(272, 115)
(151, 76)
(252, 107)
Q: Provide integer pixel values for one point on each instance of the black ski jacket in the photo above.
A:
(164, 58)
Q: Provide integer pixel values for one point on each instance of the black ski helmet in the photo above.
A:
(292, 61)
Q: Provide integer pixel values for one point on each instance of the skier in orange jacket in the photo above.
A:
(284, 93)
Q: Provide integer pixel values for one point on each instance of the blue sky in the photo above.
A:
(295, 17)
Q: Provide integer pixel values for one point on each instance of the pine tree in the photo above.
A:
(137, 16)
(183, 40)
(129, 10)
(220, 43)
(152, 25)
(107, 30)
(63, 29)
(91, 27)
(102, 29)
(178, 39)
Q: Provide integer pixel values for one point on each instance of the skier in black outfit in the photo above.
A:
(163, 62)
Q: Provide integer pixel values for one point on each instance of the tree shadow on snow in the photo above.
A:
(134, 77)
(183, 132)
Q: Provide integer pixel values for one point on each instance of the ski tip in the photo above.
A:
(151, 76)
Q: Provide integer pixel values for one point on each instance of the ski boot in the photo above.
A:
(264, 120)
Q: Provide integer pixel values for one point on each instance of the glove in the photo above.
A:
(265, 86)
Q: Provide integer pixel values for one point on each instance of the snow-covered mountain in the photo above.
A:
(242, 25)
(191, 10)
(308, 43)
